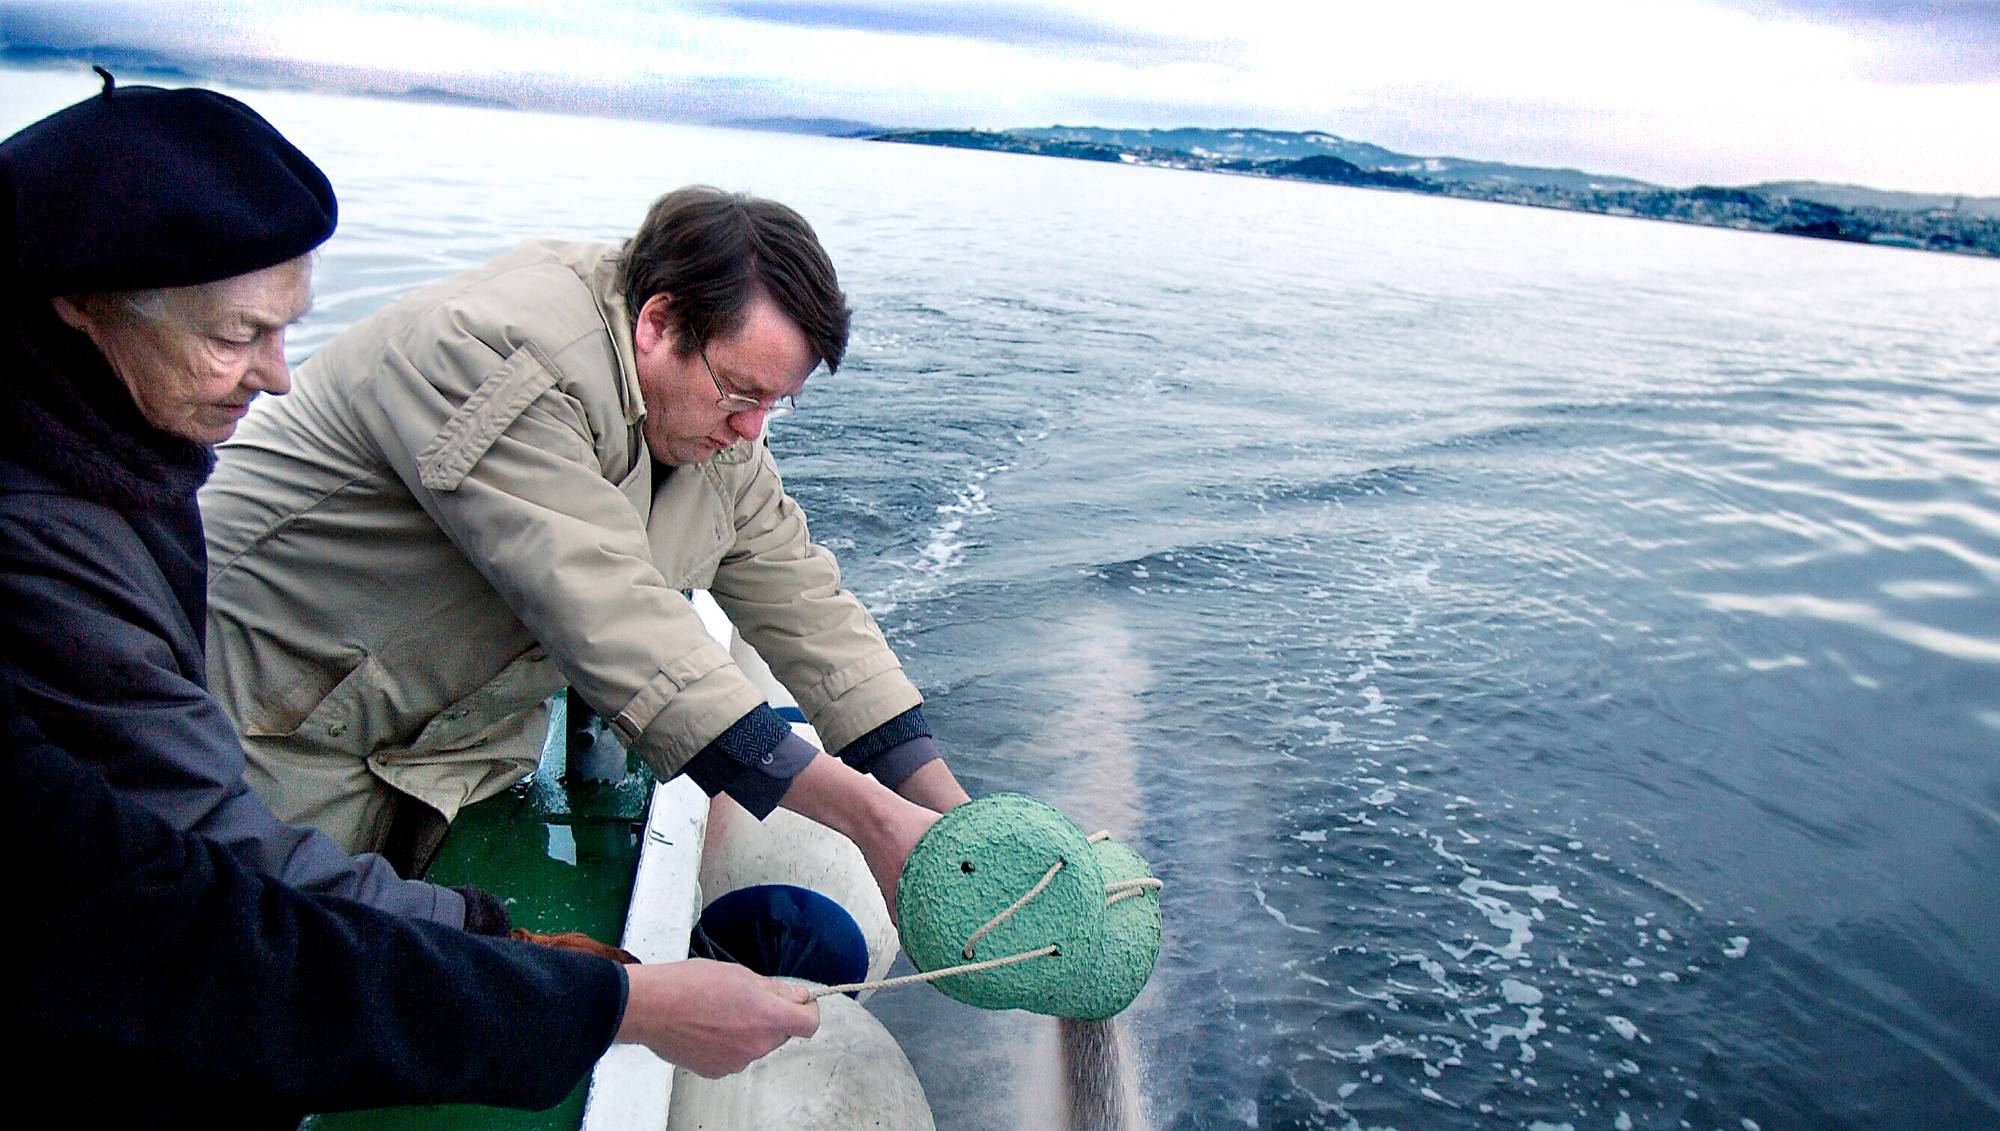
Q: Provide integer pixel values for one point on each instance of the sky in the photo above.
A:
(1896, 94)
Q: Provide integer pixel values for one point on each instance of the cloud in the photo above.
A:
(1888, 11)
(1037, 27)
(1929, 42)
(1888, 91)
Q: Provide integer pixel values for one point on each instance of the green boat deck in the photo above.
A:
(562, 854)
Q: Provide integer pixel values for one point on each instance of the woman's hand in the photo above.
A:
(712, 1018)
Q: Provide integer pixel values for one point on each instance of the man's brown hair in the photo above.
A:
(713, 251)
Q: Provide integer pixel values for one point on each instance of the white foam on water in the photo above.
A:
(1503, 915)
(1431, 1095)
(1385, 998)
(1432, 968)
(1293, 966)
(1464, 865)
(1776, 663)
(1739, 945)
(944, 547)
(1257, 890)
(1531, 1024)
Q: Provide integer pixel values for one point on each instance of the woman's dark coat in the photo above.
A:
(159, 982)
(102, 579)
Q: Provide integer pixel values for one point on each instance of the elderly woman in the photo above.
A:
(159, 249)
(153, 249)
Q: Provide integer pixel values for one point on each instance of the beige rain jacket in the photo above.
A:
(453, 515)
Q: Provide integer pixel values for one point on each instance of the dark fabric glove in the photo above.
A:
(484, 913)
(576, 942)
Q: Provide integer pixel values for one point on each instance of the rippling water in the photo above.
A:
(1553, 660)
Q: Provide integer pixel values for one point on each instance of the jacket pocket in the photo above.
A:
(293, 708)
(520, 686)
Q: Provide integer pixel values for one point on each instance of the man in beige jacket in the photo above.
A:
(500, 486)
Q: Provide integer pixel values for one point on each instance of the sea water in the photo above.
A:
(1553, 661)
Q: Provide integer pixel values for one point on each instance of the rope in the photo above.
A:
(1126, 889)
(910, 979)
(1117, 890)
(1016, 906)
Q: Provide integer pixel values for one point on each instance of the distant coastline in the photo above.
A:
(1931, 222)
(1850, 213)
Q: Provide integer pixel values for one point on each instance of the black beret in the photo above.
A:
(139, 187)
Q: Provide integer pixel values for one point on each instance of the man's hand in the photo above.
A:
(883, 826)
(712, 1018)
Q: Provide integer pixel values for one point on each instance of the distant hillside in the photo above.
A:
(1246, 144)
(1265, 145)
(446, 97)
(1328, 170)
(143, 64)
(1833, 212)
(1012, 141)
(1855, 196)
(1462, 170)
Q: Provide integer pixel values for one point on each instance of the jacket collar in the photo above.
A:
(601, 276)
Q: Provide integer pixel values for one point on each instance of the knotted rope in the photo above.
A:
(1121, 889)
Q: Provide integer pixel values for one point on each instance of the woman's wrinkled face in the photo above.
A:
(194, 358)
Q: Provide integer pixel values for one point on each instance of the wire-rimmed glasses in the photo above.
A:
(734, 403)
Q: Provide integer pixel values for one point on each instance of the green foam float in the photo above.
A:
(982, 857)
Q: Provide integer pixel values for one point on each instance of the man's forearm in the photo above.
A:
(883, 825)
(852, 803)
(934, 787)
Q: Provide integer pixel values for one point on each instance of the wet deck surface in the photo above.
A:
(562, 854)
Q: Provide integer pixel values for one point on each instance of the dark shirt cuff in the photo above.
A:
(754, 761)
(867, 752)
(894, 766)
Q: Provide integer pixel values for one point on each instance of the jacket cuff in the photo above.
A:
(754, 761)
